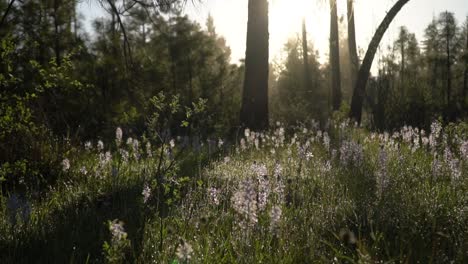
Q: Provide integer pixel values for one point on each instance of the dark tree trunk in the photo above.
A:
(305, 57)
(465, 75)
(352, 42)
(402, 70)
(254, 111)
(56, 31)
(449, 70)
(364, 70)
(335, 56)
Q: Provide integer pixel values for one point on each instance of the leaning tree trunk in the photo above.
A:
(254, 111)
(335, 56)
(364, 70)
(352, 42)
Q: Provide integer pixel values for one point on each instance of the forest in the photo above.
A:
(139, 139)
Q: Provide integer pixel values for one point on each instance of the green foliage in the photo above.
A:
(361, 198)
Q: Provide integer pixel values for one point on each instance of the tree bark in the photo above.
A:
(352, 42)
(254, 110)
(335, 56)
(364, 70)
(56, 32)
(465, 76)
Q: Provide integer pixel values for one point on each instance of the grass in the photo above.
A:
(348, 196)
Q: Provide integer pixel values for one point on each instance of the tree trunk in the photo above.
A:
(305, 57)
(56, 32)
(465, 76)
(254, 111)
(335, 56)
(364, 70)
(402, 71)
(449, 71)
(352, 42)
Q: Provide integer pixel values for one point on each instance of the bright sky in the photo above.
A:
(230, 17)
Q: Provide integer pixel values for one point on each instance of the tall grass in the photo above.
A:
(297, 196)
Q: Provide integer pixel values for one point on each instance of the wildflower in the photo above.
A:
(425, 141)
(83, 170)
(118, 136)
(124, 155)
(275, 216)
(436, 166)
(135, 147)
(65, 165)
(184, 251)
(129, 141)
(146, 193)
(381, 175)
(436, 128)
(172, 143)
(259, 170)
(244, 202)
(104, 159)
(100, 145)
(247, 133)
(415, 144)
(464, 150)
(453, 163)
(220, 143)
(242, 144)
(148, 150)
(214, 195)
(351, 153)
(326, 141)
(263, 186)
(88, 145)
(117, 230)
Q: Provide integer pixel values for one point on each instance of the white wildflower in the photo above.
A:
(275, 216)
(117, 230)
(83, 170)
(184, 251)
(118, 136)
(146, 193)
(65, 165)
(244, 202)
(100, 145)
(149, 153)
(88, 145)
(214, 195)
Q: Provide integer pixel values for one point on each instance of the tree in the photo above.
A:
(352, 48)
(465, 62)
(294, 101)
(448, 32)
(305, 56)
(364, 70)
(432, 52)
(254, 110)
(335, 56)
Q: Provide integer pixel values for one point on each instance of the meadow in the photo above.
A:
(291, 195)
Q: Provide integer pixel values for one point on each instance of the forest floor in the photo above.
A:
(294, 195)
